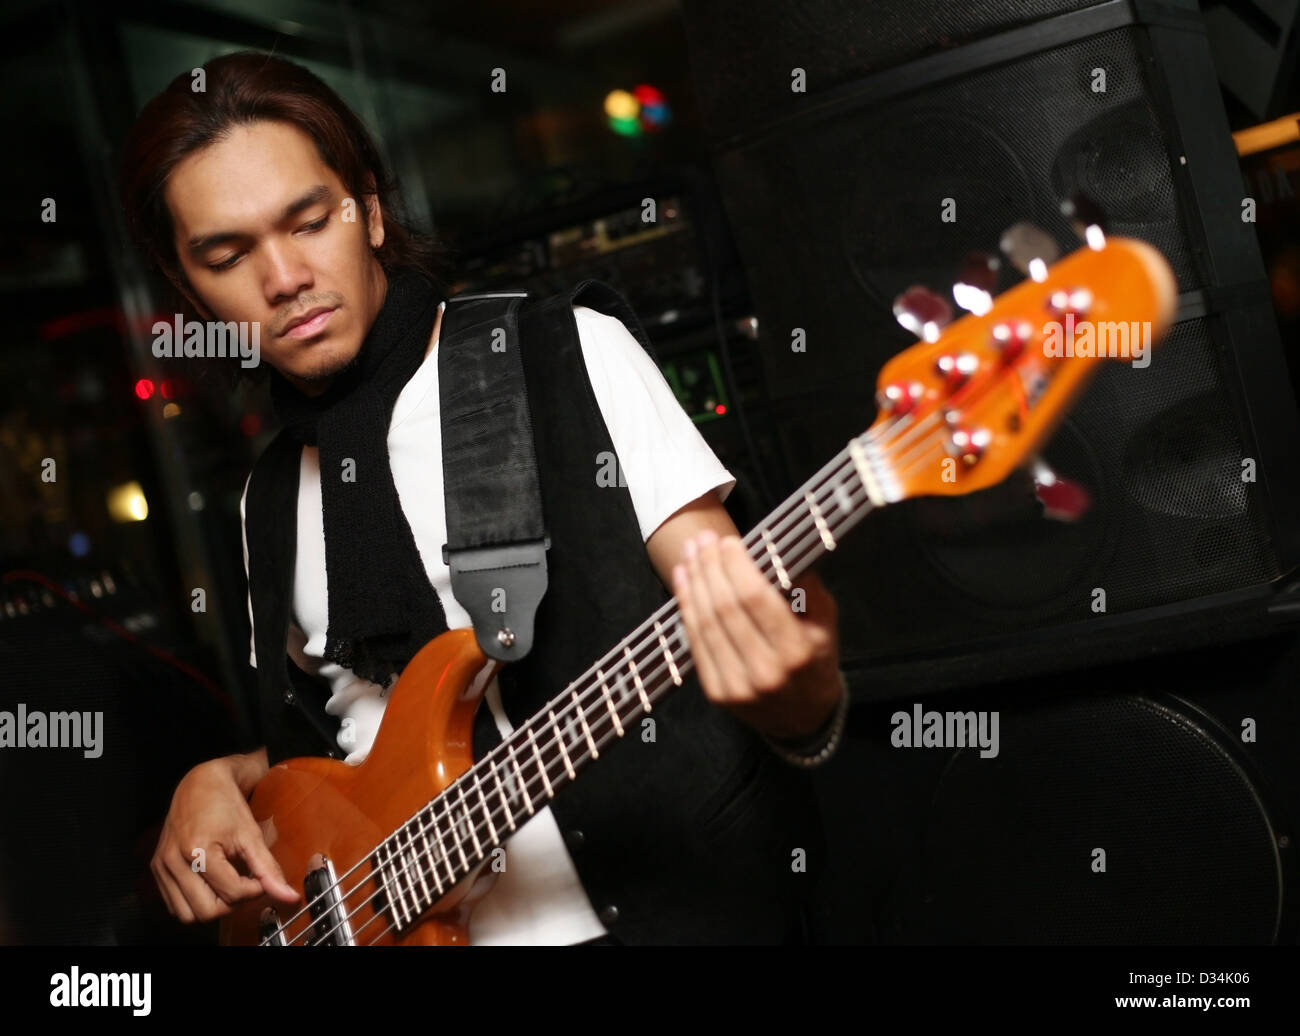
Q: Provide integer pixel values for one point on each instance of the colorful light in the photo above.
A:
(619, 104)
(144, 388)
(626, 127)
(647, 95)
(631, 114)
(126, 503)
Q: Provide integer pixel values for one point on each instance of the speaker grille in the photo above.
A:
(838, 215)
(1009, 850)
(834, 41)
(1171, 518)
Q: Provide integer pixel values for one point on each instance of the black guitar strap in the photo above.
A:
(496, 541)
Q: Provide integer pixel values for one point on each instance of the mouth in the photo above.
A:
(310, 323)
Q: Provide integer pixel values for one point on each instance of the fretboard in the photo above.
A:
(447, 839)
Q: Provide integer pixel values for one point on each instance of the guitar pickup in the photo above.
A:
(330, 923)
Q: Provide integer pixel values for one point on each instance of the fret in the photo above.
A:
(456, 835)
(446, 859)
(428, 851)
(469, 822)
(523, 785)
(874, 492)
(623, 688)
(546, 779)
(672, 664)
(636, 675)
(842, 497)
(406, 879)
(608, 701)
(582, 715)
(559, 739)
(419, 871)
(487, 813)
(776, 561)
(822, 528)
(505, 804)
(393, 885)
(380, 874)
(572, 738)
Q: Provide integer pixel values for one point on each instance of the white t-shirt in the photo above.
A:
(666, 463)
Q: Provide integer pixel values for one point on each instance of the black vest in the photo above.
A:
(701, 836)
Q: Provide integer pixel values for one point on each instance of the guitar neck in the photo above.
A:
(447, 839)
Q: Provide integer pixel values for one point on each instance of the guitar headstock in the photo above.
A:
(960, 413)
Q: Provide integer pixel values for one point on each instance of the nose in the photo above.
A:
(285, 276)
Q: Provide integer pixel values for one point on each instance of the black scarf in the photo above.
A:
(382, 608)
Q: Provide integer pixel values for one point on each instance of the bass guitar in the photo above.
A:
(390, 851)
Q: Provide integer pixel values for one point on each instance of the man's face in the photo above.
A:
(259, 231)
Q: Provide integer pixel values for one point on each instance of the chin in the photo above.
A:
(325, 364)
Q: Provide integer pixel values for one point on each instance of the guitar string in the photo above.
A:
(576, 754)
(549, 757)
(544, 766)
(603, 734)
(430, 815)
(791, 509)
(577, 749)
(532, 784)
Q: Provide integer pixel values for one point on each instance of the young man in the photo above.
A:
(262, 198)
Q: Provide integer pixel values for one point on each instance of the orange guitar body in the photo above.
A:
(313, 806)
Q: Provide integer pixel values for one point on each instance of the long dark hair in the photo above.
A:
(242, 88)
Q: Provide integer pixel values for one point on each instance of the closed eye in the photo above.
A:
(310, 228)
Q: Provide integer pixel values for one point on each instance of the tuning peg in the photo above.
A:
(922, 312)
(1087, 219)
(1030, 248)
(1062, 500)
(976, 280)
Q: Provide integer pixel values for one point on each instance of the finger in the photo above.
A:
(227, 882)
(732, 681)
(761, 668)
(179, 903)
(252, 848)
(206, 904)
(171, 895)
(819, 603)
(769, 612)
(203, 903)
(700, 655)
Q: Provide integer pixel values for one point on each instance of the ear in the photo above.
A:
(374, 215)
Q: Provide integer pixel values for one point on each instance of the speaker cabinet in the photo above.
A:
(995, 113)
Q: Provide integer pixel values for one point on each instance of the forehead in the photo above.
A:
(244, 178)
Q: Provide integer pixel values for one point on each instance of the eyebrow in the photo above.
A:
(317, 194)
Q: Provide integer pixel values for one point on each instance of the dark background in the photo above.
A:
(96, 607)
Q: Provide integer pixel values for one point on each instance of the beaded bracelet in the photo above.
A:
(822, 745)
